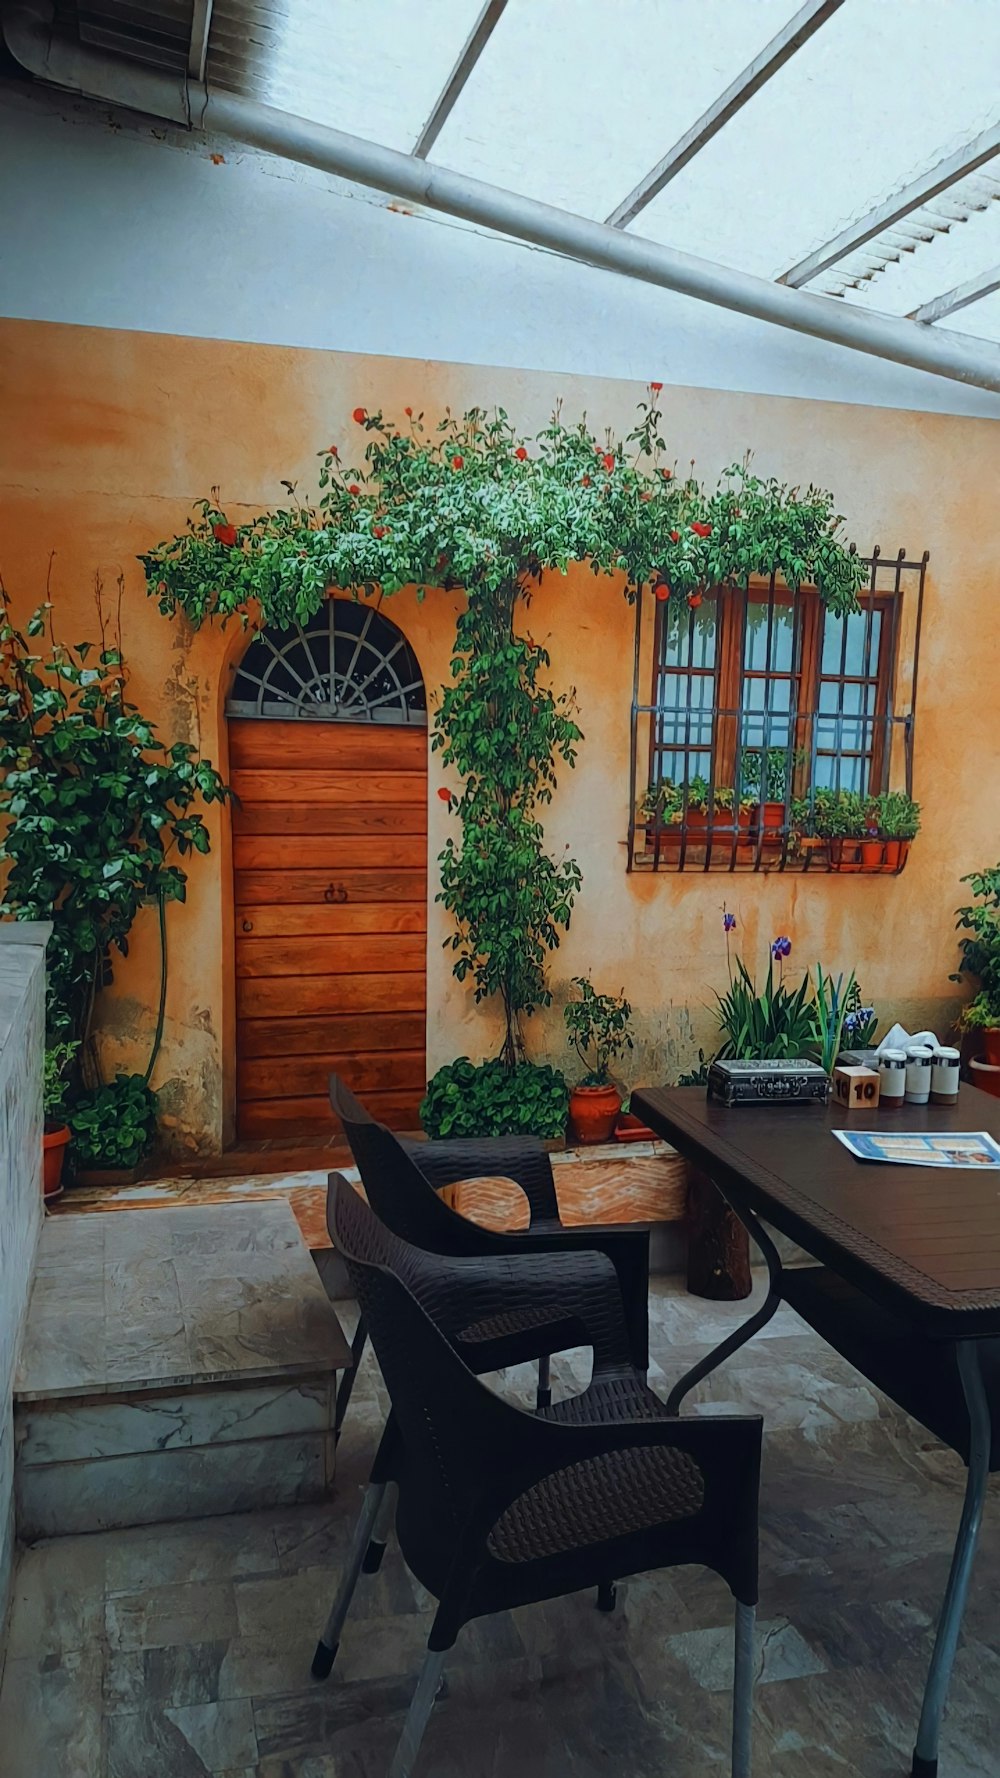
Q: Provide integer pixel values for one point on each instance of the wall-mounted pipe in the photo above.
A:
(117, 81)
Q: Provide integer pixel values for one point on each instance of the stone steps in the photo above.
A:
(176, 1363)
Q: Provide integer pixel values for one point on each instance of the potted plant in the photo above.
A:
(839, 817)
(897, 819)
(766, 780)
(56, 1133)
(113, 1128)
(981, 959)
(598, 1026)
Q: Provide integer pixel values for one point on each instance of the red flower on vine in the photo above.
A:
(225, 534)
(379, 531)
(667, 474)
(332, 451)
(662, 591)
(457, 462)
(700, 529)
(585, 481)
(656, 387)
(646, 495)
(694, 600)
(521, 454)
(359, 416)
(675, 537)
(609, 461)
(354, 489)
(444, 794)
(408, 411)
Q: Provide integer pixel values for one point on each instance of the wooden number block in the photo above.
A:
(857, 1088)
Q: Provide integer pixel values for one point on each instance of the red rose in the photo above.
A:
(694, 600)
(408, 411)
(701, 530)
(332, 451)
(599, 449)
(225, 534)
(667, 474)
(675, 537)
(662, 591)
(656, 387)
(609, 461)
(445, 795)
(645, 496)
(585, 481)
(457, 462)
(379, 531)
(359, 416)
(520, 453)
(354, 489)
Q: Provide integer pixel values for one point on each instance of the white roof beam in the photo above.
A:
(948, 172)
(201, 24)
(756, 74)
(475, 43)
(972, 291)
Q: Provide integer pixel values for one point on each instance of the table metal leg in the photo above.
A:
(739, 1338)
(925, 1757)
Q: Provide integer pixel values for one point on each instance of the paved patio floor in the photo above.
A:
(183, 1650)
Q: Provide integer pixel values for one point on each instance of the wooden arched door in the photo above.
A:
(328, 757)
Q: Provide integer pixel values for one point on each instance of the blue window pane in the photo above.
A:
(778, 625)
(861, 628)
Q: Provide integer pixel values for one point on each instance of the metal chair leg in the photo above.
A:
(743, 1680)
(380, 1535)
(739, 1338)
(326, 1647)
(925, 1756)
(544, 1396)
(418, 1716)
(350, 1377)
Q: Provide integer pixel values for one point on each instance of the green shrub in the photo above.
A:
(114, 1126)
(488, 1099)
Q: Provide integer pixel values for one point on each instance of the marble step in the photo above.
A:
(176, 1363)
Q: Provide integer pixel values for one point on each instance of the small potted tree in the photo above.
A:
(839, 817)
(56, 1133)
(598, 1026)
(981, 959)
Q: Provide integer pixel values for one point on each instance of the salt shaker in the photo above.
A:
(944, 1077)
(919, 1064)
(892, 1079)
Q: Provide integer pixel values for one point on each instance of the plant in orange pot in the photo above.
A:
(598, 1026)
(58, 1059)
(981, 959)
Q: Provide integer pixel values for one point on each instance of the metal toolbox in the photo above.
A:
(768, 1083)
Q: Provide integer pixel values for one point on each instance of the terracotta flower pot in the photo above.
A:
(891, 854)
(991, 1045)
(872, 852)
(594, 1112)
(985, 1075)
(53, 1154)
(844, 855)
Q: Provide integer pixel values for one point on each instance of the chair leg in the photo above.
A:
(743, 1680)
(350, 1377)
(326, 1647)
(418, 1715)
(544, 1396)
(925, 1756)
(380, 1535)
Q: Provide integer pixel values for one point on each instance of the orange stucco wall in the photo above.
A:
(109, 437)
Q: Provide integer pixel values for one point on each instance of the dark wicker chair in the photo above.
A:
(402, 1181)
(498, 1508)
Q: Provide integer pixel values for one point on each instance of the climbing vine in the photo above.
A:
(469, 504)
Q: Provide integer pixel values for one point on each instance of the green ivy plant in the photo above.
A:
(59, 1057)
(598, 1027)
(981, 950)
(488, 1099)
(114, 1126)
(92, 806)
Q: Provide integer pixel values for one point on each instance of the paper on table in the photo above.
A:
(903, 1148)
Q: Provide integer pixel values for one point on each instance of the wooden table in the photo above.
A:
(916, 1248)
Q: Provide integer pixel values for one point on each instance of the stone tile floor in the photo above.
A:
(183, 1650)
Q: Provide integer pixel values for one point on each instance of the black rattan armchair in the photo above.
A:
(498, 1508)
(402, 1181)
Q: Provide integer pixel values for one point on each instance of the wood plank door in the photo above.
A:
(330, 871)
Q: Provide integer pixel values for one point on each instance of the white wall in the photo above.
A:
(118, 222)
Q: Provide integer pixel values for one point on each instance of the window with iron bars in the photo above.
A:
(766, 711)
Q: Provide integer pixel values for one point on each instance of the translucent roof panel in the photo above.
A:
(574, 101)
(879, 94)
(374, 69)
(982, 319)
(950, 258)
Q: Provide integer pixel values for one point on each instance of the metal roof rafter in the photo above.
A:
(472, 49)
(756, 74)
(972, 291)
(920, 191)
(201, 24)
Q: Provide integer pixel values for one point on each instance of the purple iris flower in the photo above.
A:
(729, 922)
(782, 947)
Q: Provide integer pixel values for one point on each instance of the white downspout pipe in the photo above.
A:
(117, 81)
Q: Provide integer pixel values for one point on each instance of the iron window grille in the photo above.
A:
(350, 665)
(761, 700)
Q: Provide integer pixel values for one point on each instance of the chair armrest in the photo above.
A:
(520, 1158)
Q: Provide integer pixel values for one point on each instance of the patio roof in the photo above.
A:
(842, 149)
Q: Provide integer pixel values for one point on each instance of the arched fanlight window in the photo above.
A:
(350, 665)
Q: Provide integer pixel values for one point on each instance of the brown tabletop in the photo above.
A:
(924, 1241)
